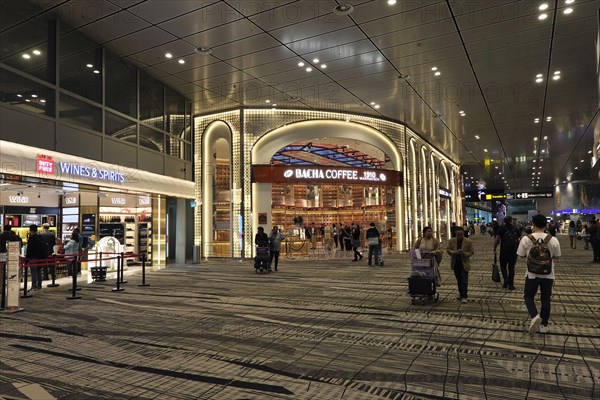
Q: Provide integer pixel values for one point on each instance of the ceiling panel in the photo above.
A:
(139, 41)
(313, 29)
(222, 34)
(207, 17)
(77, 14)
(205, 72)
(278, 56)
(327, 40)
(244, 46)
(156, 54)
(345, 50)
(115, 26)
(157, 11)
(294, 13)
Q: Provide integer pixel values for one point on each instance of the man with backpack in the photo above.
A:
(540, 249)
(508, 237)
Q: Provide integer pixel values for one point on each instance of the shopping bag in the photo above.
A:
(495, 270)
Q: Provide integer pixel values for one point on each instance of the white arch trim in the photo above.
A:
(270, 143)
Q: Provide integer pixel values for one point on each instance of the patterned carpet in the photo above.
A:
(331, 329)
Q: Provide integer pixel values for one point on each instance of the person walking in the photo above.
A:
(35, 253)
(572, 235)
(275, 239)
(356, 242)
(429, 247)
(585, 236)
(373, 238)
(533, 281)
(460, 250)
(508, 236)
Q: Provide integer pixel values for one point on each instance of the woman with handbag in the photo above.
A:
(429, 247)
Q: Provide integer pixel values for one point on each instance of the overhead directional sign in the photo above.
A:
(534, 195)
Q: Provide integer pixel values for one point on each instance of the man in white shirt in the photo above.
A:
(539, 322)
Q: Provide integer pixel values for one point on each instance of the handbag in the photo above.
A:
(495, 270)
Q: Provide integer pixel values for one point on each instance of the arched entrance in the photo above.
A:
(266, 146)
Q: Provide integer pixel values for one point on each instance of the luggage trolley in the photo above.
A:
(421, 283)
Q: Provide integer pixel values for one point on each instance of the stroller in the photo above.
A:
(422, 280)
(262, 261)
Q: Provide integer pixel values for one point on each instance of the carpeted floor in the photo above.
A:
(329, 329)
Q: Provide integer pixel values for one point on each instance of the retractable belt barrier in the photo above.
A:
(98, 272)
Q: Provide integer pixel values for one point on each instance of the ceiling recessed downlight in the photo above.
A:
(36, 52)
(168, 55)
(267, 101)
(181, 61)
(543, 7)
(89, 65)
(567, 11)
(316, 60)
(308, 69)
(542, 17)
(538, 80)
(391, 2)
(434, 68)
(477, 137)
(301, 64)
(486, 150)
(96, 71)
(556, 77)
(203, 51)
(26, 56)
(323, 66)
(343, 9)
(569, 1)
(437, 73)
(377, 106)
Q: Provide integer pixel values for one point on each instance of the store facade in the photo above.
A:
(41, 186)
(242, 180)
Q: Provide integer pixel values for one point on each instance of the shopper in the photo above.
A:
(572, 235)
(261, 239)
(356, 242)
(348, 239)
(71, 250)
(585, 236)
(429, 247)
(49, 241)
(275, 240)
(460, 250)
(534, 280)
(508, 237)
(35, 254)
(373, 238)
(334, 231)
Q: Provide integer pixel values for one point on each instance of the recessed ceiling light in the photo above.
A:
(535, 139)
(203, 51)
(372, 103)
(267, 101)
(556, 72)
(569, 1)
(545, 137)
(308, 69)
(96, 71)
(543, 7)
(169, 55)
(539, 75)
(343, 9)
(27, 100)
(461, 112)
(37, 52)
(34, 95)
(556, 77)
(391, 2)
(582, 160)
(42, 101)
(89, 65)
(274, 105)
(477, 137)
(548, 119)
(315, 60)
(323, 66)
(301, 64)
(536, 121)
(486, 150)
(538, 80)
(377, 106)
(542, 17)
(535, 152)
(181, 61)
(437, 73)
(576, 168)
(19, 95)
(589, 152)
(568, 10)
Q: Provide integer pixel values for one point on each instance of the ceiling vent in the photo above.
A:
(343, 9)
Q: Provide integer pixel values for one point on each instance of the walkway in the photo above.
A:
(329, 330)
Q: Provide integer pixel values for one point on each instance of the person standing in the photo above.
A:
(348, 238)
(335, 235)
(356, 242)
(572, 235)
(585, 236)
(71, 249)
(533, 281)
(508, 236)
(49, 241)
(594, 232)
(275, 239)
(372, 235)
(460, 250)
(36, 252)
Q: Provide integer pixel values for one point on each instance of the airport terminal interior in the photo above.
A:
(150, 140)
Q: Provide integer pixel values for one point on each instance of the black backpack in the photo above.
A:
(539, 259)
(511, 238)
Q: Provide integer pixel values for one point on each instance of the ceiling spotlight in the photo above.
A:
(542, 17)
(576, 168)
(569, 1)
(26, 56)
(434, 68)
(323, 66)
(181, 61)
(42, 101)
(589, 152)
(477, 137)
(391, 2)
(582, 160)
(372, 103)
(274, 105)
(545, 138)
(535, 140)
(539, 75)
(96, 71)
(543, 7)
(267, 101)
(556, 77)
(538, 80)
(376, 105)
(34, 95)
(486, 150)
(27, 100)
(37, 52)
(437, 73)
(343, 9)
(169, 55)
(316, 60)
(556, 72)
(308, 69)
(567, 11)
(301, 64)
(89, 65)
(19, 95)
(548, 119)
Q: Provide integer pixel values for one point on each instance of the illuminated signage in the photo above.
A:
(45, 164)
(91, 172)
(144, 200)
(70, 200)
(535, 195)
(118, 201)
(334, 174)
(445, 193)
(495, 196)
(18, 199)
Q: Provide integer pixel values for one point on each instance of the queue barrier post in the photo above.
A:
(53, 284)
(144, 271)
(119, 268)
(25, 295)
(75, 263)
(74, 287)
(123, 267)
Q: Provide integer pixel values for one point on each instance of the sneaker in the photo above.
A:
(543, 328)
(464, 300)
(534, 325)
